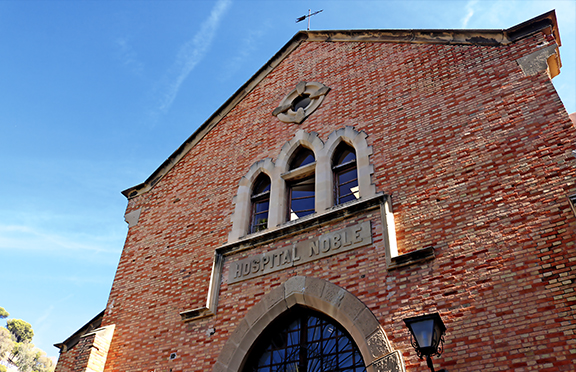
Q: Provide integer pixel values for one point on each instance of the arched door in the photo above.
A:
(302, 340)
(288, 331)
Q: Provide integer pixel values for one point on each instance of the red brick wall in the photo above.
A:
(477, 159)
(76, 359)
(66, 361)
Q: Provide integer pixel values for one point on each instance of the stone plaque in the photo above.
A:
(301, 252)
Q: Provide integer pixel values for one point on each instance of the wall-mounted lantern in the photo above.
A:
(427, 336)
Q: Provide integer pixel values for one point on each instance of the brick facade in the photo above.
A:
(476, 159)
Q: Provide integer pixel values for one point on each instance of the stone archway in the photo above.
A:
(321, 296)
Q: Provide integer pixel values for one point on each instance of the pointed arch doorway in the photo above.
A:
(321, 304)
(302, 340)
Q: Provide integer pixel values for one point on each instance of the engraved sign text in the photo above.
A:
(301, 252)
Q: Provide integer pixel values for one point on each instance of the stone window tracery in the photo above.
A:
(311, 168)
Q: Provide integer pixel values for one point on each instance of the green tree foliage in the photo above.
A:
(24, 355)
(31, 359)
(3, 369)
(20, 329)
(44, 364)
(16, 345)
(6, 343)
(3, 313)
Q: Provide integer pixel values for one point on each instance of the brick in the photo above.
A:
(476, 158)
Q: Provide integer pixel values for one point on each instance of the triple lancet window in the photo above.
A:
(301, 185)
(308, 177)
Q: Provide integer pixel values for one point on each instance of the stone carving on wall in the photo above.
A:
(301, 102)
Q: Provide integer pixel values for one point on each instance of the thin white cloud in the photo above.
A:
(128, 56)
(20, 237)
(246, 49)
(45, 314)
(192, 52)
(70, 280)
(469, 13)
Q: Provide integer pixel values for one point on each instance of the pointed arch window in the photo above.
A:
(304, 340)
(309, 178)
(260, 203)
(301, 184)
(345, 174)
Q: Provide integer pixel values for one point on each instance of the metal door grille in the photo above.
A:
(309, 343)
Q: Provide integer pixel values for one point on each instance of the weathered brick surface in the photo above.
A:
(477, 158)
(89, 353)
(68, 360)
(77, 359)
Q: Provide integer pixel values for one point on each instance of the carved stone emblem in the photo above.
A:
(301, 102)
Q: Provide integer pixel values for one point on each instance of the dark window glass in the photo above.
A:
(345, 175)
(573, 202)
(302, 158)
(345, 155)
(260, 203)
(302, 192)
(301, 102)
(301, 198)
(305, 341)
(261, 185)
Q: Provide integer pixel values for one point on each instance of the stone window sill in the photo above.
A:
(302, 224)
(412, 258)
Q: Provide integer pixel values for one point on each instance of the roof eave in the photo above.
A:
(546, 23)
(216, 117)
(73, 339)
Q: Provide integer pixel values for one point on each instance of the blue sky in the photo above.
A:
(95, 95)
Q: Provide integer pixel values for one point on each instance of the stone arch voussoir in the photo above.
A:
(301, 138)
(322, 296)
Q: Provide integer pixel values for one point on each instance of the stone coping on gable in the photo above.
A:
(546, 23)
(70, 342)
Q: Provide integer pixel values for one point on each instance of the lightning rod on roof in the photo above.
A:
(300, 19)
